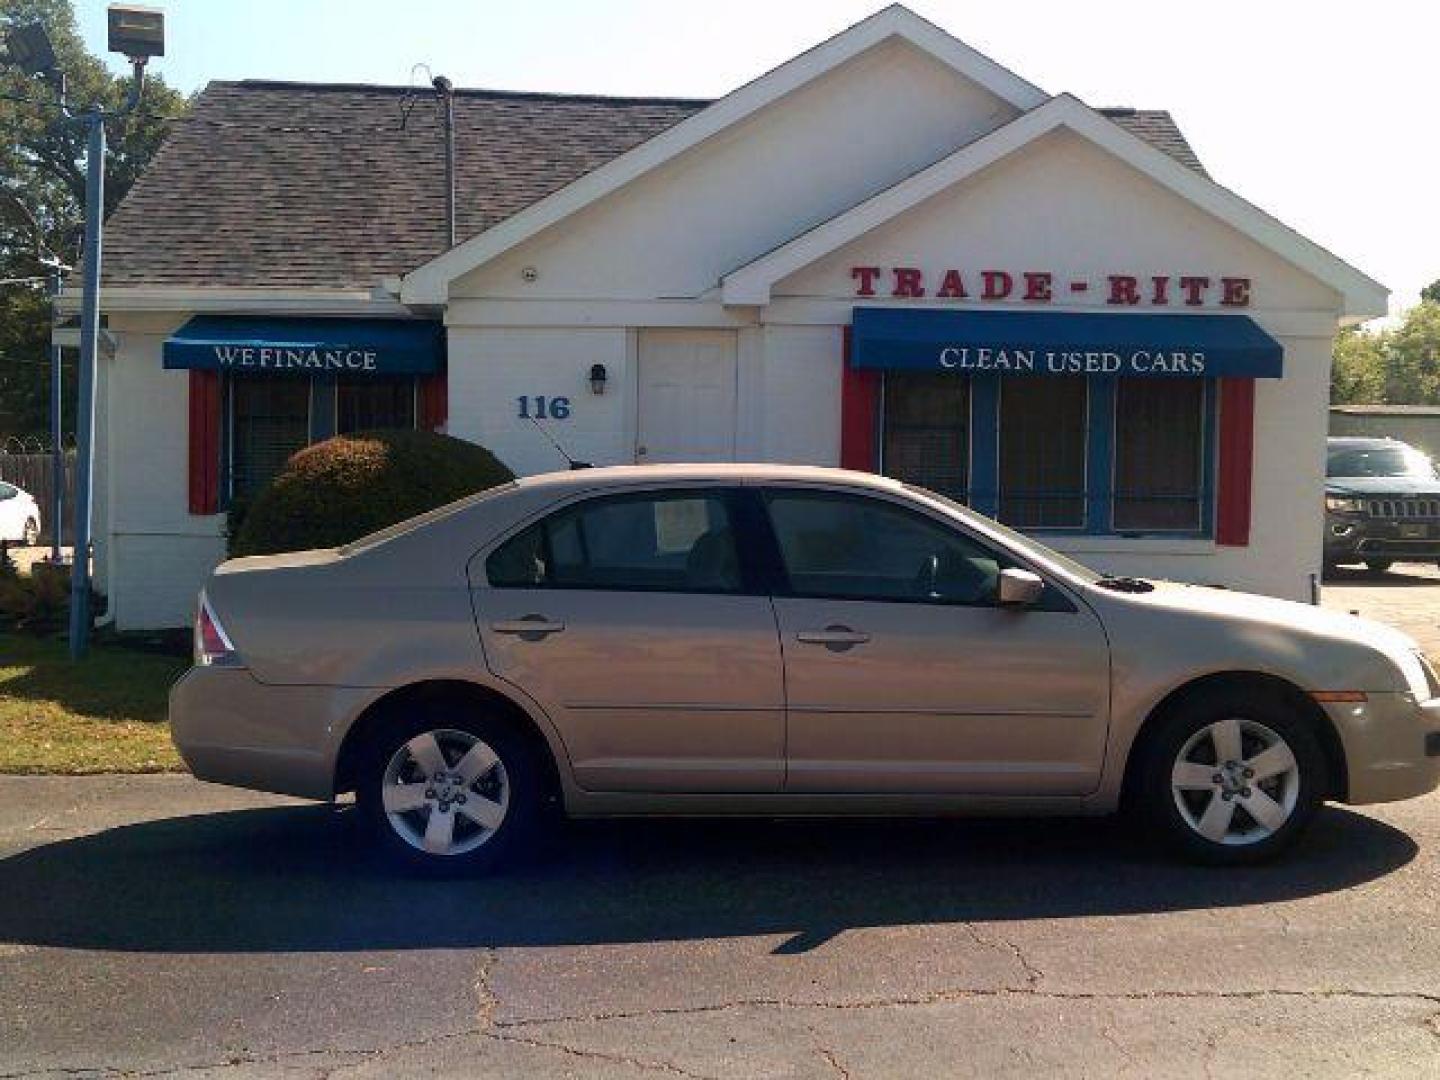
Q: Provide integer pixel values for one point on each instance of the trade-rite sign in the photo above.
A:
(1039, 286)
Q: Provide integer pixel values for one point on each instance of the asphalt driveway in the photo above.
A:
(158, 924)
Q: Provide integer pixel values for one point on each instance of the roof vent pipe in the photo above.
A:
(446, 89)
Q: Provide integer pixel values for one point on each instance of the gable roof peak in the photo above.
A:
(429, 283)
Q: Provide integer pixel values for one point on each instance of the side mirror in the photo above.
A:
(1020, 588)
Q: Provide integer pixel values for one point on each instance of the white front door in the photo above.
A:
(687, 396)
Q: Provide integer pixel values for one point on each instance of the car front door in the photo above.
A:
(636, 623)
(903, 674)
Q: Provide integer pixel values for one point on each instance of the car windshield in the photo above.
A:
(1379, 460)
(1039, 552)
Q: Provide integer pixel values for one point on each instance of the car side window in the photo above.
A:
(659, 542)
(858, 548)
(6, 491)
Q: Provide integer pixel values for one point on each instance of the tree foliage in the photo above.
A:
(1431, 292)
(1357, 375)
(1398, 366)
(42, 168)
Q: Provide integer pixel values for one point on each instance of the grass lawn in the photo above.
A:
(104, 714)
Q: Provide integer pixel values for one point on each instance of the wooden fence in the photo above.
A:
(34, 473)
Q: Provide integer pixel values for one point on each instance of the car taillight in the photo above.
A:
(212, 644)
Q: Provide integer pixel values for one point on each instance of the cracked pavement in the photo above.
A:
(158, 926)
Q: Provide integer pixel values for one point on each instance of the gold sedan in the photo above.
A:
(779, 640)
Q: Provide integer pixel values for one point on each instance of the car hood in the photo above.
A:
(1269, 612)
(1381, 485)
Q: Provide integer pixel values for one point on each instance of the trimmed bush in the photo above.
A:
(343, 488)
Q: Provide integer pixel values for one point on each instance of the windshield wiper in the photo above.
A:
(1126, 584)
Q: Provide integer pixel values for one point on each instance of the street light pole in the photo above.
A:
(85, 396)
(138, 33)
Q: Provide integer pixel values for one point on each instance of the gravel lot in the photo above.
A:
(1406, 596)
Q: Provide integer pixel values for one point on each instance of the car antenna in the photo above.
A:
(560, 449)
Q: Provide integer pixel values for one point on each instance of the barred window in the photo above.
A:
(927, 431)
(1042, 451)
(269, 421)
(1159, 455)
(367, 403)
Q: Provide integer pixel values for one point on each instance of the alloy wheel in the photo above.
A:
(445, 792)
(1235, 782)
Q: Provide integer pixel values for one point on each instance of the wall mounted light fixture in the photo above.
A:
(598, 378)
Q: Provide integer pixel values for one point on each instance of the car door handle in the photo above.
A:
(530, 626)
(833, 637)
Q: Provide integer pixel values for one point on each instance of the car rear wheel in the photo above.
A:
(30, 535)
(1379, 566)
(1232, 779)
(446, 791)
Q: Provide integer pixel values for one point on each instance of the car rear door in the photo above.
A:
(637, 624)
(904, 675)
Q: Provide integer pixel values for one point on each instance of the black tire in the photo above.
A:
(1159, 804)
(30, 535)
(518, 832)
(1379, 566)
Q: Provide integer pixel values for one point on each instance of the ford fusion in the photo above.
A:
(768, 640)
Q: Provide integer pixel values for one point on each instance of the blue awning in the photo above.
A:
(1056, 343)
(296, 346)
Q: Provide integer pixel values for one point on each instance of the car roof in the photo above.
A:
(623, 476)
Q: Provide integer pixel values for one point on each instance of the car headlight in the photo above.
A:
(1344, 504)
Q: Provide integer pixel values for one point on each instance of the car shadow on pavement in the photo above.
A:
(298, 878)
(1394, 578)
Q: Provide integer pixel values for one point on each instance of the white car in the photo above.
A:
(19, 516)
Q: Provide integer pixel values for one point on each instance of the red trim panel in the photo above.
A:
(1237, 462)
(204, 442)
(434, 401)
(859, 415)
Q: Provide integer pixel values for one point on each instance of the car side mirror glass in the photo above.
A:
(1020, 588)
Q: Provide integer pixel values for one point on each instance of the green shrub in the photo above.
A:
(343, 488)
(37, 602)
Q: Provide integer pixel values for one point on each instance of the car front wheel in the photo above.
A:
(1232, 779)
(447, 792)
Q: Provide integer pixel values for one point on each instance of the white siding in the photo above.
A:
(157, 553)
(491, 369)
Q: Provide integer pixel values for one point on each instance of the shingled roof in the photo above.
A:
(337, 186)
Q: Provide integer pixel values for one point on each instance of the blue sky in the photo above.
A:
(1320, 112)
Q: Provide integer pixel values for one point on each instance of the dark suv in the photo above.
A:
(1382, 504)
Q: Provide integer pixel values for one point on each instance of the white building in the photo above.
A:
(889, 253)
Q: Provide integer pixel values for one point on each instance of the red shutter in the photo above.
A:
(434, 401)
(1237, 462)
(859, 415)
(204, 442)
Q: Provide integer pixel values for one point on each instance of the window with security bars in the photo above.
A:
(927, 431)
(365, 404)
(1159, 455)
(269, 421)
(1042, 451)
